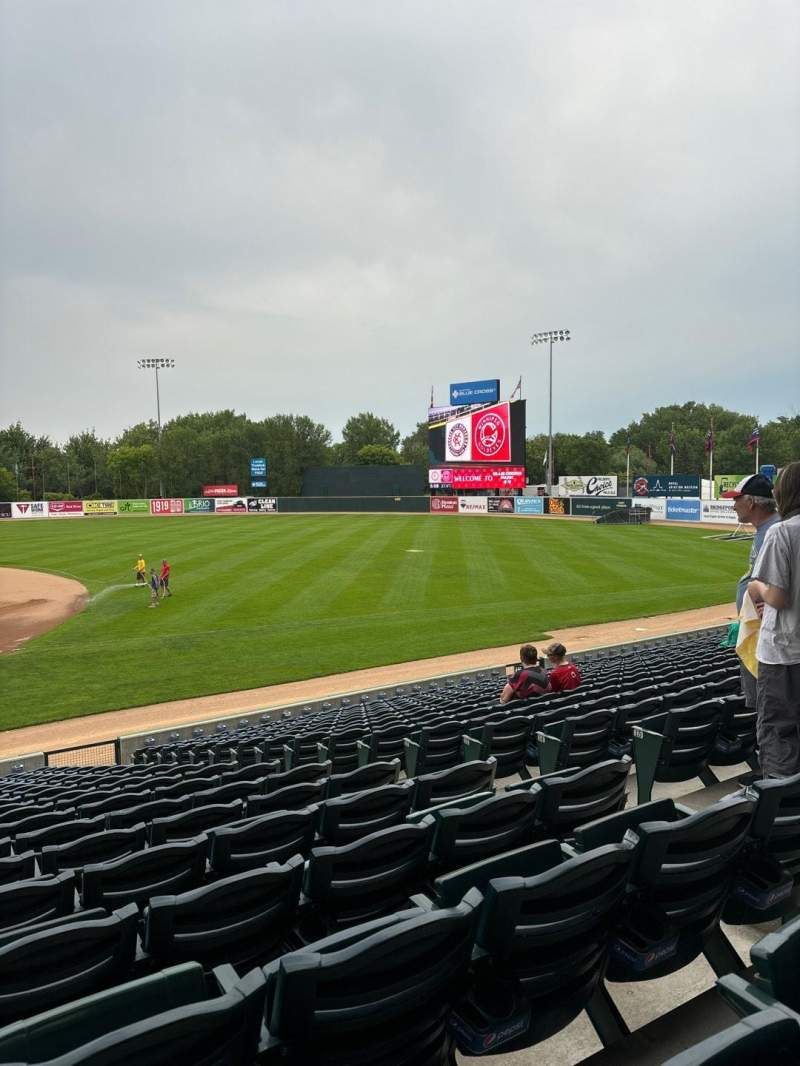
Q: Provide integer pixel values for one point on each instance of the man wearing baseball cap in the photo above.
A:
(755, 505)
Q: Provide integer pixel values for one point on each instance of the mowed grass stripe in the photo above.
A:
(265, 599)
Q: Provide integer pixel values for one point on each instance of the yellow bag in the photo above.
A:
(747, 639)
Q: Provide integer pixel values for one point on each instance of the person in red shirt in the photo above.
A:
(164, 580)
(529, 680)
(564, 675)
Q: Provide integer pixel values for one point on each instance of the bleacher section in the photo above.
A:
(387, 880)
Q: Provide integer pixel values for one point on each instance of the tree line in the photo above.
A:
(216, 448)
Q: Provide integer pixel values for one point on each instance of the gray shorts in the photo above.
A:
(748, 688)
(778, 719)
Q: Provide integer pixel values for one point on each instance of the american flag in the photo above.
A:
(709, 442)
(673, 444)
(755, 437)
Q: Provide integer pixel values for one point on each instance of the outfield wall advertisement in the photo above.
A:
(65, 509)
(100, 507)
(193, 505)
(162, 506)
(719, 511)
(590, 485)
(134, 506)
(590, 506)
(529, 505)
(500, 504)
(33, 509)
(667, 485)
(444, 504)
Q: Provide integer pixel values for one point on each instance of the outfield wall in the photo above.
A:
(662, 508)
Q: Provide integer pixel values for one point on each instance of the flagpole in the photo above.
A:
(757, 443)
(672, 451)
(711, 464)
(628, 472)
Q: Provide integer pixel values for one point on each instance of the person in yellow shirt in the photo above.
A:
(140, 570)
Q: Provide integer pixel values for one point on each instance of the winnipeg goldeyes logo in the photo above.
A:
(490, 432)
(457, 438)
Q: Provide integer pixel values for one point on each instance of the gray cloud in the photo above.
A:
(330, 207)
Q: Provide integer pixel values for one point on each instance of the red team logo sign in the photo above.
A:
(490, 436)
(640, 486)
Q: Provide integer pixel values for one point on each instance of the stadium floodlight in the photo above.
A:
(156, 364)
(550, 336)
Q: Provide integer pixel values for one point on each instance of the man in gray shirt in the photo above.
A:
(776, 584)
(755, 505)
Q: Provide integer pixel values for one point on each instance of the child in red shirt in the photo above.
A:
(564, 675)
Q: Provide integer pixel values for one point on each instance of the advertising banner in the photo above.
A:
(588, 505)
(667, 485)
(134, 506)
(35, 509)
(500, 504)
(529, 505)
(589, 485)
(444, 505)
(556, 506)
(162, 506)
(262, 504)
(715, 511)
(193, 505)
(258, 483)
(472, 505)
(724, 482)
(101, 507)
(480, 437)
(237, 506)
(464, 392)
(683, 510)
(5, 510)
(66, 509)
(258, 468)
(657, 507)
(219, 490)
(477, 477)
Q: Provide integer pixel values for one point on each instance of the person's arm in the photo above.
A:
(761, 592)
(507, 694)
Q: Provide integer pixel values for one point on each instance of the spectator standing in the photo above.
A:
(155, 585)
(754, 504)
(530, 680)
(565, 675)
(164, 578)
(776, 585)
(140, 569)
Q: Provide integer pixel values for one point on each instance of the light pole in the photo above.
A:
(157, 364)
(548, 337)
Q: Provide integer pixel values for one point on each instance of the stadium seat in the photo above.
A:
(134, 878)
(186, 787)
(351, 817)
(158, 1020)
(241, 919)
(736, 739)
(436, 746)
(577, 741)
(572, 797)
(58, 834)
(191, 823)
(461, 780)
(304, 774)
(505, 738)
(17, 867)
(257, 841)
(38, 900)
(371, 877)
(385, 743)
(47, 967)
(146, 812)
(676, 745)
(765, 1038)
(371, 775)
(250, 772)
(36, 821)
(92, 848)
(377, 993)
(342, 749)
(465, 835)
(233, 790)
(291, 798)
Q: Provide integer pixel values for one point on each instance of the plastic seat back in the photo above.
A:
(257, 841)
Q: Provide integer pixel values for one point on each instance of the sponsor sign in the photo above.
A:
(657, 507)
(258, 484)
(472, 505)
(588, 505)
(529, 505)
(480, 437)
(683, 510)
(193, 505)
(477, 477)
(556, 506)
(768, 470)
(100, 507)
(667, 485)
(725, 482)
(444, 505)
(500, 504)
(162, 506)
(258, 468)
(589, 485)
(66, 509)
(465, 392)
(5, 510)
(134, 506)
(33, 509)
(219, 490)
(718, 511)
(237, 506)
(262, 504)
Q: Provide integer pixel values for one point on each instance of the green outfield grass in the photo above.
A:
(265, 599)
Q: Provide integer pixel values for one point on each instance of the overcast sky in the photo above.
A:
(329, 207)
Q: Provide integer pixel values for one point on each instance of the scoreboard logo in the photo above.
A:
(490, 435)
(457, 439)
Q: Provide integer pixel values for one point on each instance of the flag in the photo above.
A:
(544, 461)
(431, 396)
(709, 443)
(518, 389)
(755, 438)
(673, 444)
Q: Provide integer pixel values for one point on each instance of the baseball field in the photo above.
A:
(260, 600)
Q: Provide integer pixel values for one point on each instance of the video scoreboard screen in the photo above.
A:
(491, 435)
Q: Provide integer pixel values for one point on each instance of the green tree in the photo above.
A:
(376, 455)
(133, 469)
(292, 443)
(414, 448)
(367, 428)
(8, 484)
